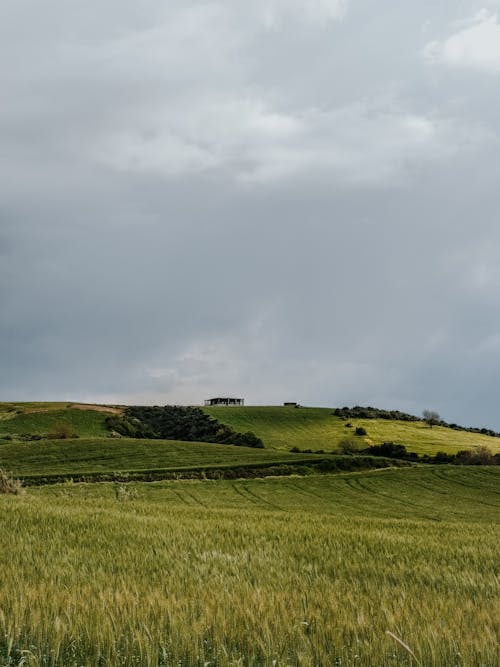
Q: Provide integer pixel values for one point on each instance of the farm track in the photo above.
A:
(308, 494)
(343, 493)
(403, 501)
(420, 493)
(241, 492)
(480, 472)
(260, 498)
(181, 498)
(356, 483)
(197, 501)
(467, 476)
(338, 499)
(441, 474)
(413, 493)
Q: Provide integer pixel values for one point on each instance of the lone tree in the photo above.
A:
(349, 446)
(431, 417)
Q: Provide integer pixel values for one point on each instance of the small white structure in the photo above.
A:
(224, 401)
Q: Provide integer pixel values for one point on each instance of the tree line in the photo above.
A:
(429, 416)
(176, 422)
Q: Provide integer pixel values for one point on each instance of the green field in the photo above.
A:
(21, 406)
(280, 428)
(299, 571)
(42, 420)
(84, 455)
(318, 428)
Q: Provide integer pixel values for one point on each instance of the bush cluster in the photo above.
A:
(62, 431)
(478, 456)
(297, 450)
(472, 429)
(175, 422)
(360, 412)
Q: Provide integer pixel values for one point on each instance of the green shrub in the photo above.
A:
(393, 450)
(175, 422)
(248, 439)
(62, 431)
(480, 456)
(349, 446)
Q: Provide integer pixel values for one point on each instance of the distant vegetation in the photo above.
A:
(178, 423)
(431, 417)
(478, 456)
(359, 412)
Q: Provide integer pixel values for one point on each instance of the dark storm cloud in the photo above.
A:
(284, 200)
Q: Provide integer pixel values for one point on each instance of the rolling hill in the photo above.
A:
(109, 455)
(281, 428)
(43, 418)
(317, 428)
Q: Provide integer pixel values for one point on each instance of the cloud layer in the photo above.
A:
(475, 45)
(281, 200)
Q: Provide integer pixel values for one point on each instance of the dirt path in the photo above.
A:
(111, 409)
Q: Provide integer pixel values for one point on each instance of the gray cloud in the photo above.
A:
(474, 43)
(283, 200)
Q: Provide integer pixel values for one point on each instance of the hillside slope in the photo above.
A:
(86, 455)
(280, 428)
(317, 428)
(42, 419)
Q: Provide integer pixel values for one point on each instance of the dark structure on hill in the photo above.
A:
(224, 401)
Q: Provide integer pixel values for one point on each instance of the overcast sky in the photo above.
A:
(278, 199)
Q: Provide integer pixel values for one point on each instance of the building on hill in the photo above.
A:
(224, 401)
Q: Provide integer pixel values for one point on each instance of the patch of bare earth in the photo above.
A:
(110, 409)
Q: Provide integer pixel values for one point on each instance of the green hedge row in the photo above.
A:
(304, 467)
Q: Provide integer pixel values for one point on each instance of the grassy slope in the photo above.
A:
(297, 571)
(437, 493)
(22, 406)
(317, 428)
(89, 423)
(46, 457)
(281, 428)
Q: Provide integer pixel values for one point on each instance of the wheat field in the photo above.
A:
(294, 571)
